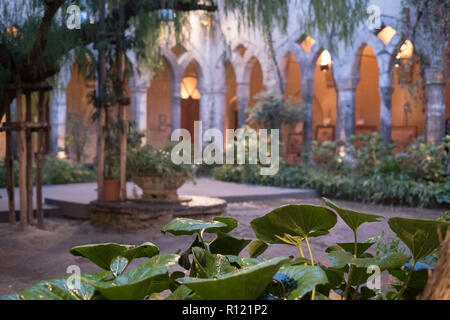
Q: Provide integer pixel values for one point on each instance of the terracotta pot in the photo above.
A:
(160, 187)
(111, 190)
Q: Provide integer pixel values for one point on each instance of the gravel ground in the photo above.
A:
(34, 255)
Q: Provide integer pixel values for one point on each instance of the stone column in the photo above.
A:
(386, 90)
(435, 121)
(139, 92)
(345, 123)
(243, 99)
(219, 108)
(58, 112)
(176, 106)
(307, 99)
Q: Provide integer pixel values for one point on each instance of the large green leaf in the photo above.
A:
(184, 226)
(340, 259)
(228, 245)
(420, 236)
(147, 278)
(306, 278)
(62, 289)
(244, 284)
(351, 218)
(104, 254)
(230, 222)
(290, 224)
(208, 265)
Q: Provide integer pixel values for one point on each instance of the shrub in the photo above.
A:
(150, 161)
(58, 171)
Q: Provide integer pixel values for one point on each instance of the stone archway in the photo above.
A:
(324, 103)
(367, 95)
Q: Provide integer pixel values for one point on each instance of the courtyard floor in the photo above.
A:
(34, 255)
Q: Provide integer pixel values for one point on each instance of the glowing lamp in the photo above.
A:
(406, 50)
(325, 60)
(189, 89)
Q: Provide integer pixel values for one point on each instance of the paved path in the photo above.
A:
(84, 193)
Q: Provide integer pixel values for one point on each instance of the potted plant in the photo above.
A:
(155, 173)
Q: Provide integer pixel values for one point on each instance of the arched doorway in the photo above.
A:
(231, 118)
(367, 96)
(293, 135)
(256, 81)
(80, 130)
(324, 104)
(190, 95)
(159, 106)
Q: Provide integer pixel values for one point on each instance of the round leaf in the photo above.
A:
(290, 224)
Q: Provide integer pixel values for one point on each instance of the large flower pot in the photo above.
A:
(111, 190)
(160, 187)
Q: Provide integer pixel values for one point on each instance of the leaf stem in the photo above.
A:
(405, 284)
(313, 294)
(350, 273)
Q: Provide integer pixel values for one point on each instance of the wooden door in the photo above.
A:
(190, 112)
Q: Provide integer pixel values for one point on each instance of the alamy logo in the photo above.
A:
(244, 146)
(74, 281)
(74, 19)
(374, 20)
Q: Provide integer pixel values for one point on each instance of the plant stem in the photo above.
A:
(313, 294)
(299, 246)
(205, 245)
(405, 284)
(350, 273)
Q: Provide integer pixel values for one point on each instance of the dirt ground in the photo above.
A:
(34, 255)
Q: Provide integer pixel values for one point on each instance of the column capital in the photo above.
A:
(140, 83)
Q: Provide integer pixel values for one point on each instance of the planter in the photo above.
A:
(111, 190)
(160, 187)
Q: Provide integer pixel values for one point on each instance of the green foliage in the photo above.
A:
(272, 111)
(215, 274)
(55, 171)
(58, 171)
(147, 160)
(371, 174)
(77, 136)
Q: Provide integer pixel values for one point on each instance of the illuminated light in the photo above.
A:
(326, 122)
(308, 43)
(61, 155)
(189, 89)
(406, 50)
(387, 34)
(206, 22)
(325, 60)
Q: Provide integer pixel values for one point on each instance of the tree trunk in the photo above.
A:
(9, 162)
(22, 160)
(438, 286)
(29, 150)
(101, 109)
